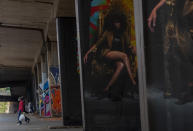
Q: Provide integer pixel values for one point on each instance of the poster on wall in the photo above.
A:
(169, 59)
(109, 65)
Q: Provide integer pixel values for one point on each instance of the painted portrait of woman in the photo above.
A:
(109, 61)
(169, 57)
(113, 48)
(177, 47)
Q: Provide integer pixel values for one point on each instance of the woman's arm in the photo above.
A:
(88, 52)
(94, 46)
(188, 7)
(153, 15)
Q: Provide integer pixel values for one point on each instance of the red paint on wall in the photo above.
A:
(56, 101)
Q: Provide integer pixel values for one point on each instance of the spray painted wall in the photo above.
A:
(44, 99)
(55, 91)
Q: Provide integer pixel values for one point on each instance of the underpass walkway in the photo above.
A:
(8, 122)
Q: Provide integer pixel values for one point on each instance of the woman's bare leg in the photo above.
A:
(117, 55)
(119, 67)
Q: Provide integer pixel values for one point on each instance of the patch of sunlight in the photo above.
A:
(5, 91)
(4, 107)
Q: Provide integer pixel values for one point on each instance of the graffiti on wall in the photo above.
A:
(55, 91)
(44, 100)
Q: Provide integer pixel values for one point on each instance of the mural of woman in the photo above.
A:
(177, 44)
(115, 43)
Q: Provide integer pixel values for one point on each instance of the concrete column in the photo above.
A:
(52, 54)
(39, 81)
(70, 83)
(45, 91)
(13, 107)
(35, 88)
(44, 67)
(53, 78)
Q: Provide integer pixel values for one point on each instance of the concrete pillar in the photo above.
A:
(44, 67)
(39, 81)
(70, 83)
(53, 78)
(13, 107)
(35, 102)
(45, 108)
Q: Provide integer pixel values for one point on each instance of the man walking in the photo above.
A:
(20, 110)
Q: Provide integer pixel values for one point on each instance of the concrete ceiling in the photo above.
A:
(65, 8)
(21, 25)
(8, 74)
(26, 13)
(19, 47)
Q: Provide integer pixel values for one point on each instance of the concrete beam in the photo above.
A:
(66, 8)
(8, 98)
(4, 84)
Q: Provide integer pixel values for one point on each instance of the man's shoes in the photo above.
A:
(18, 124)
(28, 121)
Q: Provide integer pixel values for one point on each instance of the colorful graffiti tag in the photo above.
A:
(55, 91)
(44, 100)
(97, 7)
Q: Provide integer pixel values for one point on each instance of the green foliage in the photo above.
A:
(3, 107)
(5, 91)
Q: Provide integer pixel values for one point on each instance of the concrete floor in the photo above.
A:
(166, 115)
(8, 123)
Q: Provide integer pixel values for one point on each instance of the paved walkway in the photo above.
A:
(8, 123)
